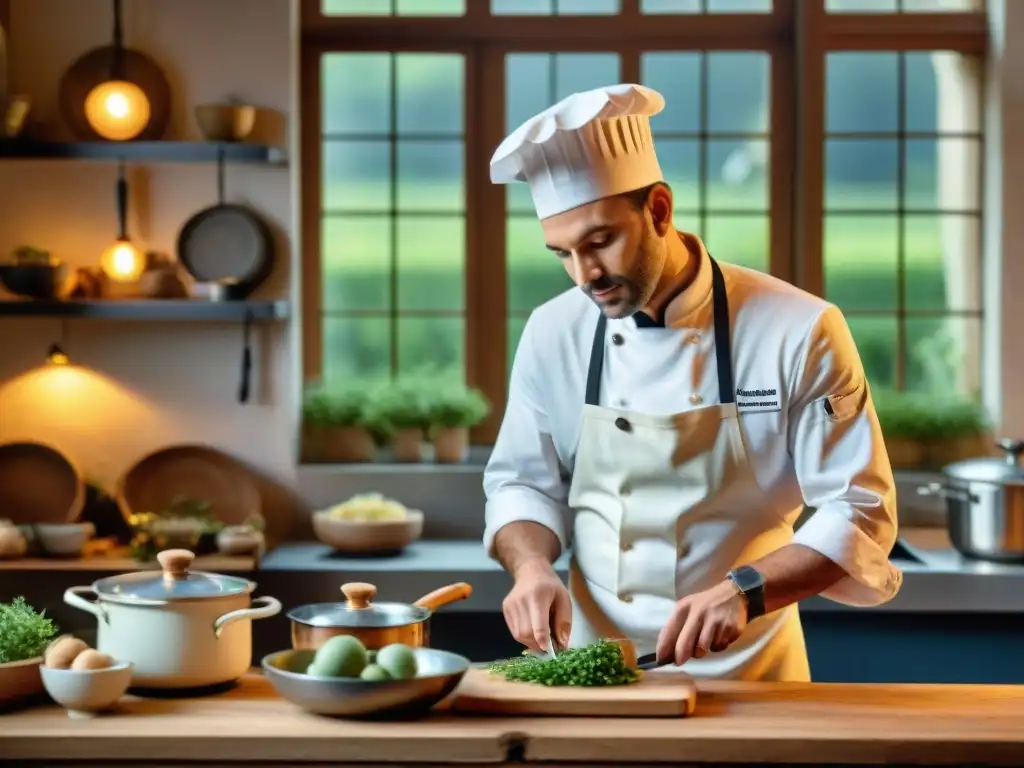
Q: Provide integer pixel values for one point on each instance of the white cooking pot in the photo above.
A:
(180, 629)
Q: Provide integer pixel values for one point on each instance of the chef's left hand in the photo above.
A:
(707, 621)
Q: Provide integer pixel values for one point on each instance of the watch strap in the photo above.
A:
(750, 583)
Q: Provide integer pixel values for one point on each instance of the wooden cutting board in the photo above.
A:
(655, 694)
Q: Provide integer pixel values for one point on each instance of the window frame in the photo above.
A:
(797, 35)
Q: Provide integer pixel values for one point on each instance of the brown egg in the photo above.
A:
(90, 659)
(63, 651)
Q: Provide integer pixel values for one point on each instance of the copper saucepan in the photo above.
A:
(375, 624)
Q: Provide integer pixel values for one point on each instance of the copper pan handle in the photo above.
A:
(444, 595)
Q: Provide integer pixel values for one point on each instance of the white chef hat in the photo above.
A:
(589, 146)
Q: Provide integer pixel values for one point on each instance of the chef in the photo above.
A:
(670, 416)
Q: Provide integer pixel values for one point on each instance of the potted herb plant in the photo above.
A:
(400, 409)
(960, 430)
(926, 432)
(905, 427)
(24, 635)
(335, 425)
(453, 411)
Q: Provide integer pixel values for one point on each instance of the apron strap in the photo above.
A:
(723, 344)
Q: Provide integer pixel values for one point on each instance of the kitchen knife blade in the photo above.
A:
(650, 661)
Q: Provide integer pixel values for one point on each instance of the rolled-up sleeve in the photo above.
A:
(842, 466)
(523, 478)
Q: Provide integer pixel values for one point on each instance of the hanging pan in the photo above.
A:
(227, 244)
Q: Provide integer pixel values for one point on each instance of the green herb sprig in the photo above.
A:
(24, 632)
(598, 664)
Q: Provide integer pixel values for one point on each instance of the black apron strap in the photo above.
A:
(723, 344)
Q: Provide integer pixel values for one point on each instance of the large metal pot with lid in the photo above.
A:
(375, 624)
(179, 628)
(985, 504)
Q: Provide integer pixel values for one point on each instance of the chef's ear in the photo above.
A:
(659, 203)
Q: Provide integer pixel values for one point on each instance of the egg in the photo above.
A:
(63, 651)
(90, 659)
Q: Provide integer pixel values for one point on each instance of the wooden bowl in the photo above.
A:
(225, 122)
(197, 472)
(20, 680)
(367, 536)
(39, 484)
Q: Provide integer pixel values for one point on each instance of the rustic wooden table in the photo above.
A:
(736, 723)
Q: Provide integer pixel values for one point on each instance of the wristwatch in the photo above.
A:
(750, 583)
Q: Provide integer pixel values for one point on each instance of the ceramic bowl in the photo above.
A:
(367, 536)
(87, 692)
(225, 122)
(63, 539)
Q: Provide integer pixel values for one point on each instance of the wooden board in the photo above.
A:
(655, 694)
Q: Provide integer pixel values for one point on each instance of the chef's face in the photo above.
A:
(615, 249)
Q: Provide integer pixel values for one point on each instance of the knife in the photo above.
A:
(650, 661)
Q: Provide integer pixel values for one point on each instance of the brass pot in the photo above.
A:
(375, 624)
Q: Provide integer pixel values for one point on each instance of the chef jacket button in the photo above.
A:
(617, 339)
(625, 546)
(683, 549)
(693, 338)
(625, 597)
(696, 399)
(624, 489)
(623, 424)
(623, 403)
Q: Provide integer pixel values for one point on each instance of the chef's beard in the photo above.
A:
(638, 286)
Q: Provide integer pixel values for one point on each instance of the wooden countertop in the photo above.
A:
(734, 722)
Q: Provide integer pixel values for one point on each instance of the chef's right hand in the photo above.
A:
(537, 605)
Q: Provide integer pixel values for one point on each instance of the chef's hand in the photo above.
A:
(538, 604)
(707, 621)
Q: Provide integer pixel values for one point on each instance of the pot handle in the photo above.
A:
(451, 593)
(944, 492)
(269, 606)
(72, 596)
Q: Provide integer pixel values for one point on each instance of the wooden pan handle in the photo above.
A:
(445, 595)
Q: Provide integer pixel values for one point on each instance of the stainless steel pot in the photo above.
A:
(985, 504)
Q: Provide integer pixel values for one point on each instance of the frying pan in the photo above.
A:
(227, 243)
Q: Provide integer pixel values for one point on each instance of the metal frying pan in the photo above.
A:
(227, 243)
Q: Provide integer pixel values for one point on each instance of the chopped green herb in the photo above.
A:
(597, 664)
(24, 632)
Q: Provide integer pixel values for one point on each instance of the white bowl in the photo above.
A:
(87, 692)
(64, 539)
(368, 536)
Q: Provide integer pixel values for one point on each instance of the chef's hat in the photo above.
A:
(588, 146)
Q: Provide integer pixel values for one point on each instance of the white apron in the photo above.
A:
(666, 506)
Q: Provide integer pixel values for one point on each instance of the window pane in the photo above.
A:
(943, 174)
(535, 274)
(942, 6)
(522, 7)
(431, 344)
(429, 93)
(737, 92)
(860, 257)
(389, 7)
(430, 7)
(908, 6)
(943, 355)
(356, 7)
(877, 342)
(560, 7)
(430, 176)
(943, 262)
(670, 6)
(739, 181)
(739, 6)
(356, 176)
(355, 259)
(355, 91)
(575, 72)
(676, 75)
(860, 6)
(431, 262)
(943, 93)
(739, 240)
(861, 175)
(862, 93)
(356, 347)
(680, 164)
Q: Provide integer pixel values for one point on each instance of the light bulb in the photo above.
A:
(57, 356)
(123, 262)
(117, 110)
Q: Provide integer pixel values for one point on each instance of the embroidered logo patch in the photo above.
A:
(757, 400)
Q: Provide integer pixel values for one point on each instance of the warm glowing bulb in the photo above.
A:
(57, 356)
(117, 110)
(123, 262)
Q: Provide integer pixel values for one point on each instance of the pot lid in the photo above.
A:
(359, 610)
(173, 582)
(1004, 470)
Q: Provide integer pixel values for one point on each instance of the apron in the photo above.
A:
(666, 506)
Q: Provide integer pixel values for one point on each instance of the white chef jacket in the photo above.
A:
(805, 413)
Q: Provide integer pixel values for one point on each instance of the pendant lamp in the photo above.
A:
(121, 260)
(117, 109)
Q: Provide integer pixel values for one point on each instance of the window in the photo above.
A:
(834, 143)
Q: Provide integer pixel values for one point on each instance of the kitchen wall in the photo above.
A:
(150, 384)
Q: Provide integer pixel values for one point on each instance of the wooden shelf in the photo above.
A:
(153, 309)
(118, 560)
(141, 151)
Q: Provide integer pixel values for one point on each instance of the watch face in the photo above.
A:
(748, 579)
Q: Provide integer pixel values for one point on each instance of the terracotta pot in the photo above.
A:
(451, 445)
(20, 681)
(346, 445)
(407, 444)
(905, 452)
